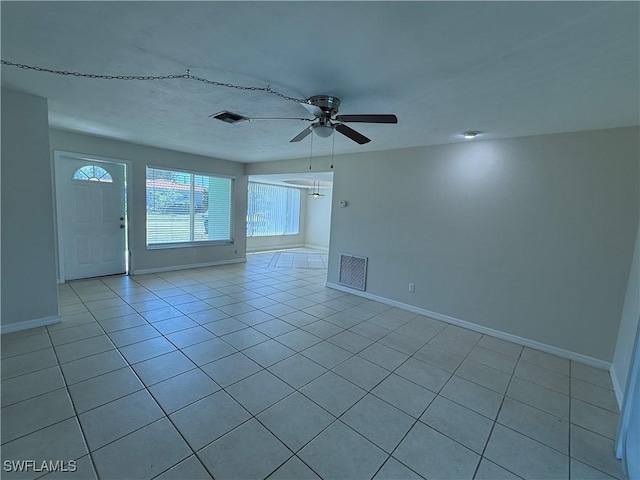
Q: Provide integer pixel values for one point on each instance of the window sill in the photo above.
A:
(279, 235)
(209, 243)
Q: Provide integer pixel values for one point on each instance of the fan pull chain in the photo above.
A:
(311, 152)
(333, 149)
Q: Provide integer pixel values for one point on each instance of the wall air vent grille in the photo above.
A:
(353, 271)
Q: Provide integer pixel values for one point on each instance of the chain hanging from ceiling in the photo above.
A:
(184, 76)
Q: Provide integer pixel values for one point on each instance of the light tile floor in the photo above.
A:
(254, 371)
(299, 258)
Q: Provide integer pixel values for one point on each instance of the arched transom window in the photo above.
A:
(92, 173)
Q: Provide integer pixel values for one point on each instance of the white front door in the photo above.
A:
(91, 210)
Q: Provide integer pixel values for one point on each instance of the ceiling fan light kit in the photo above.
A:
(322, 131)
(315, 192)
(471, 134)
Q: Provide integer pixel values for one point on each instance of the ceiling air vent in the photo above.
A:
(228, 117)
(353, 271)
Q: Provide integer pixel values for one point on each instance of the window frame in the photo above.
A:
(97, 180)
(194, 243)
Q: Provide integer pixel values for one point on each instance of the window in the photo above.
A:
(185, 207)
(272, 210)
(92, 173)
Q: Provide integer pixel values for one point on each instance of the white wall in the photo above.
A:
(318, 224)
(298, 165)
(29, 290)
(628, 327)
(144, 260)
(529, 236)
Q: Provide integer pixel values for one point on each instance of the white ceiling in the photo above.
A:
(504, 68)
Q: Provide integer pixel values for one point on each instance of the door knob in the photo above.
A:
(121, 218)
(121, 226)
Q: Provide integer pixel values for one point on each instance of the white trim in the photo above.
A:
(171, 268)
(26, 325)
(192, 172)
(58, 213)
(299, 187)
(317, 247)
(578, 357)
(58, 155)
(617, 388)
(627, 439)
(275, 248)
(198, 243)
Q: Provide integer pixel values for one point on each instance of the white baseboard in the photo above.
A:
(274, 248)
(578, 357)
(26, 325)
(146, 271)
(317, 247)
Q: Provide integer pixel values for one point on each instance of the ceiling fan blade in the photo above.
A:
(282, 118)
(312, 109)
(370, 118)
(352, 134)
(301, 135)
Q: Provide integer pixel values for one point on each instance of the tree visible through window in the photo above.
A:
(272, 210)
(92, 173)
(185, 207)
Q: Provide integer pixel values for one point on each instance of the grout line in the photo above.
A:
(75, 411)
(495, 422)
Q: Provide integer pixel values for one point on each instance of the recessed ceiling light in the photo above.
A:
(471, 134)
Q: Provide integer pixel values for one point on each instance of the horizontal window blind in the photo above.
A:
(185, 207)
(272, 210)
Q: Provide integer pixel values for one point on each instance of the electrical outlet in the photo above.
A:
(412, 287)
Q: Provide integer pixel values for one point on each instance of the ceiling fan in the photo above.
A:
(315, 192)
(325, 110)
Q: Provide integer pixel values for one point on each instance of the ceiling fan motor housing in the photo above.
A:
(327, 103)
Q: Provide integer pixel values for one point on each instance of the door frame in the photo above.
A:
(629, 405)
(60, 155)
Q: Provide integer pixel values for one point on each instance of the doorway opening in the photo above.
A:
(289, 211)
